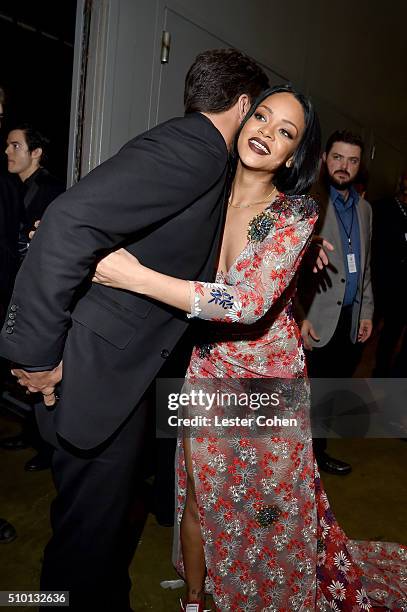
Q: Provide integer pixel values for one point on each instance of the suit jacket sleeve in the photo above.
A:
(367, 308)
(152, 178)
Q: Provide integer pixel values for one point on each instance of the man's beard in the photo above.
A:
(340, 186)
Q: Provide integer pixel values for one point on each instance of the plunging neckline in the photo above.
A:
(248, 242)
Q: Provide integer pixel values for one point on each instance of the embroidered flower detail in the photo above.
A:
(325, 527)
(341, 561)
(235, 312)
(337, 590)
(321, 558)
(268, 515)
(260, 226)
(221, 298)
(204, 350)
(320, 546)
(363, 599)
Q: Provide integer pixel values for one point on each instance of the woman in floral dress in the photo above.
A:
(253, 521)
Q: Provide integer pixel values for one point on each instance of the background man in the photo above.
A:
(389, 267)
(35, 188)
(26, 152)
(9, 225)
(161, 196)
(336, 304)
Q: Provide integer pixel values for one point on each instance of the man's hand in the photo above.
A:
(307, 332)
(31, 234)
(365, 330)
(319, 245)
(40, 382)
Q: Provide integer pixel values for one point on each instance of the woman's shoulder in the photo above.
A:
(303, 206)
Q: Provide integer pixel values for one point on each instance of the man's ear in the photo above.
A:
(243, 105)
(36, 153)
(324, 157)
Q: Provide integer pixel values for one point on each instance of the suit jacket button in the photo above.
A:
(13, 307)
(339, 303)
(9, 330)
(165, 354)
(342, 280)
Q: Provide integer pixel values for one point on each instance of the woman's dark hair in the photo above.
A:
(218, 77)
(298, 178)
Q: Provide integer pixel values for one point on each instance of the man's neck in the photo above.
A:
(344, 193)
(227, 123)
(27, 173)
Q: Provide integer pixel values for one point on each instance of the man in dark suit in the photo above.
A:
(26, 155)
(389, 268)
(9, 226)
(162, 198)
(34, 189)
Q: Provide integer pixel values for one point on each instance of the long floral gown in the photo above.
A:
(270, 538)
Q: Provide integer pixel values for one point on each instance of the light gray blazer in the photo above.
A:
(320, 295)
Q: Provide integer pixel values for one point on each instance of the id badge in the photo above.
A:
(351, 263)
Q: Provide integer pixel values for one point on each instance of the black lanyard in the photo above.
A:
(348, 235)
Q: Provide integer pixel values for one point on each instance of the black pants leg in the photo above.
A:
(88, 553)
(394, 322)
(337, 359)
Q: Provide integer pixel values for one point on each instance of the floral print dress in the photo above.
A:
(271, 541)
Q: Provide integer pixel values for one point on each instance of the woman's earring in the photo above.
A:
(288, 163)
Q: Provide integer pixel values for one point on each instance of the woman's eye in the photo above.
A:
(259, 116)
(286, 134)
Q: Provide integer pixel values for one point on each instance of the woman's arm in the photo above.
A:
(122, 270)
(269, 271)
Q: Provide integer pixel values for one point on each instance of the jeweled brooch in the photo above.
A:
(268, 515)
(260, 226)
(204, 350)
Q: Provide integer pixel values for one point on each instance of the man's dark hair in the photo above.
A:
(2, 96)
(344, 136)
(34, 139)
(218, 77)
(298, 178)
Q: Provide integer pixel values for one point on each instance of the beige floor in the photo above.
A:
(370, 503)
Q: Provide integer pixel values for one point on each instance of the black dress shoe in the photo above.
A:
(333, 466)
(7, 531)
(14, 443)
(41, 461)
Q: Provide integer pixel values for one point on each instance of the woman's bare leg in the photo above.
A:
(191, 538)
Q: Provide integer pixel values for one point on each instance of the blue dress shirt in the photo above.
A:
(346, 213)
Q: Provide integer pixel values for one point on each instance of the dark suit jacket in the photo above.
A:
(11, 215)
(161, 196)
(38, 191)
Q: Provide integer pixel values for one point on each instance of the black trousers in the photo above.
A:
(93, 534)
(337, 359)
(394, 323)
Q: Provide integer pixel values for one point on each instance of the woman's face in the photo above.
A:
(272, 134)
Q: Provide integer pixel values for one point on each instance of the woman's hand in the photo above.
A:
(120, 270)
